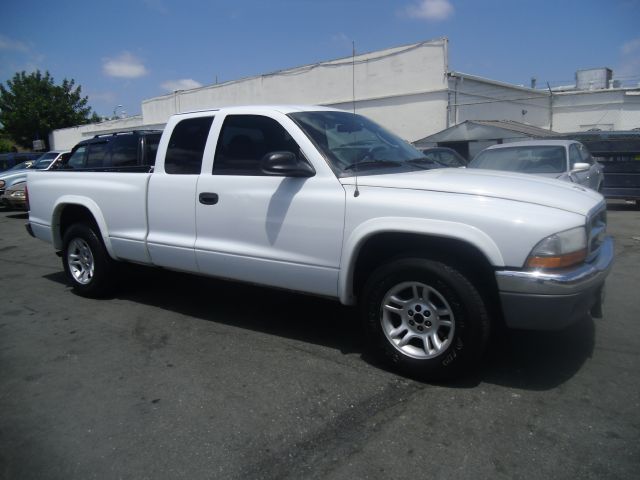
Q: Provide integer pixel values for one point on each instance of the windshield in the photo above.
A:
(523, 159)
(22, 165)
(47, 156)
(42, 163)
(354, 144)
(447, 157)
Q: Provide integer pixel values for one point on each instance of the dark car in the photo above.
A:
(122, 151)
(445, 156)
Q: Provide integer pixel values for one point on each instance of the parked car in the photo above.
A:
(445, 156)
(120, 151)
(619, 154)
(562, 159)
(10, 160)
(15, 197)
(18, 173)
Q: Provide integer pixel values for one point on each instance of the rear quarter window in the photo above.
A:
(124, 151)
(77, 158)
(186, 146)
(96, 155)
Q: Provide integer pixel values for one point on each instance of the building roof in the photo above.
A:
(486, 130)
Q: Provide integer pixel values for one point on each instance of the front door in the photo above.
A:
(276, 230)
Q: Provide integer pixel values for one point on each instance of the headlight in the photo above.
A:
(1, 183)
(559, 250)
(18, 194)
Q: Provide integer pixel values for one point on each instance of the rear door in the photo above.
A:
(172, 194)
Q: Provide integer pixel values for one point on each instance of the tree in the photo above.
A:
(5, 145)
(32, 105)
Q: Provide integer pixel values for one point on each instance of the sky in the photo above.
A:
(122, 52)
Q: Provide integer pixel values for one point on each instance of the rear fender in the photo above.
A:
(94, 210)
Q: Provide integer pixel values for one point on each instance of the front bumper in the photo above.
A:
(551, 301)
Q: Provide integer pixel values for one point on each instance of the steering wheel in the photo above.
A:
(371, 153)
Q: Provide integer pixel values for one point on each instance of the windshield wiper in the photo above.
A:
(372, 163)
(422, 160)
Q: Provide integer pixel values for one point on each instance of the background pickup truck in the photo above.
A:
(328, 203)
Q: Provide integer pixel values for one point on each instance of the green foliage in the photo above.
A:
(32, 105)
(6, 145)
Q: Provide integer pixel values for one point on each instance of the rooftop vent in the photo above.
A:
(594, 79)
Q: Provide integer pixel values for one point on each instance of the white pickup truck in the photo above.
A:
(326, 202)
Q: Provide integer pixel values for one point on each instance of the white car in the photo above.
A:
(15, 175)
(566, 160)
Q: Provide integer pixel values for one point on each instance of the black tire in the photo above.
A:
(86, 262)
(460, 323)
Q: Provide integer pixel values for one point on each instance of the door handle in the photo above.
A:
(208, 198)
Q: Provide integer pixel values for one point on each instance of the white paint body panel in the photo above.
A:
(302, 234)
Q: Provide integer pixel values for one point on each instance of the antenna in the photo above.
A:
(356, 192)
(353, 74)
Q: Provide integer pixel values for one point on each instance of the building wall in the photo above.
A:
(407, 89)
(402, 88)
(630, 114)
(407, 115)
(480, 99)
(615, 109)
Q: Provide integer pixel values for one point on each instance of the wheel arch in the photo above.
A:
(71, 210)
(372, 244)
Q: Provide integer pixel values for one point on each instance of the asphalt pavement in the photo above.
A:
(179, 376)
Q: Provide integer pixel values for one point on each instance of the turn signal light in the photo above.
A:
(558, 261)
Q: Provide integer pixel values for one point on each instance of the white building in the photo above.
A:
(408, 89)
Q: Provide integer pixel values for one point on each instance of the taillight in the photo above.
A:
(26, 197)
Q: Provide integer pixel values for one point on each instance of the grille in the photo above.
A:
(596, 229)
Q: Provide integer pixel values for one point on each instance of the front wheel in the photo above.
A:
(86, 262)
(425, 318)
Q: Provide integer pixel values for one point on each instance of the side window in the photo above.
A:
(124, 151)
(450, 159)
(96, 155)
(431, 156)
(574, 155)
(186, 146)
(586, 156)
(245, 139)
(77, 158)
(151, 148)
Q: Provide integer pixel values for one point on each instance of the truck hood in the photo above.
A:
(489, 183)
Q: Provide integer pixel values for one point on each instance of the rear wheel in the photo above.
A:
(424, 318)
(86, 262)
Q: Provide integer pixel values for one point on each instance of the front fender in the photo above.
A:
(414, 226)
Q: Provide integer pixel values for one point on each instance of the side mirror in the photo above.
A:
(580, 167)
(286, 164)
